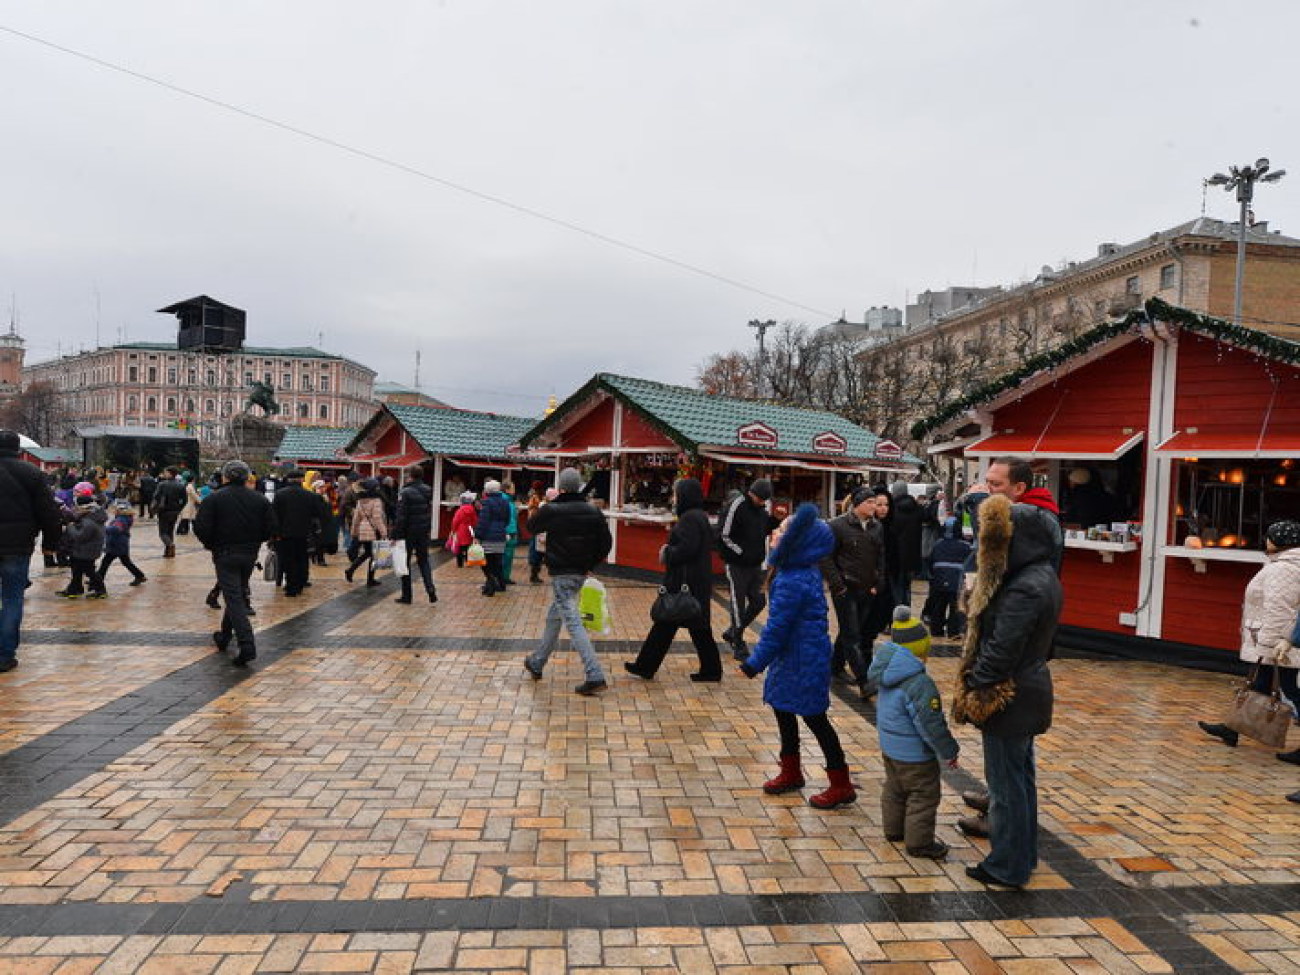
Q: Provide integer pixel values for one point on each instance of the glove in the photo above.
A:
(748, 671)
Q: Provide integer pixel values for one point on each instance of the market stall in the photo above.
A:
(316, 448)
(632, 438)
(1171, 440)
(459, 449)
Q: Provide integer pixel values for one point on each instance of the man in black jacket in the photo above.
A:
(168, 501)
(233, 523)
(147, 485)
(1006, 687)
(743, 529)
(298, 513)
(577, 540)
(413, 525)
(26, 507)
(853, 574)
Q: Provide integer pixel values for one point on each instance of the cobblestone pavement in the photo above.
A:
(386, 790)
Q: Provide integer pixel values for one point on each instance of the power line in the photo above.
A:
(413, 171)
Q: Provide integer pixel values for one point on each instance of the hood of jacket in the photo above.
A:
(1040, 498)
(687, 494)
(1035, 536)
(951, 528)
(807, 540)
(898, 665)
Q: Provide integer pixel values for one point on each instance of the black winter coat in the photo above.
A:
(689, 552)
(414, 512)
(298, 512)
(859, 553)
(577, 534)
(27, 507)
(169, 495)
(1018, 627)
(906, 528)
(743, 528)
(235, 517)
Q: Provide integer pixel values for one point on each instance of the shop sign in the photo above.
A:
(888, 450)
(756, 435)
(830, 443)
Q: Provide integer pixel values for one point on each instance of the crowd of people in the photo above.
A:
(992, 562)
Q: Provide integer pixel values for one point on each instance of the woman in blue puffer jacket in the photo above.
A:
(795, 649)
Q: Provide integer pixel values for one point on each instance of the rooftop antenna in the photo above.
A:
(97, 314)
(1205, 189)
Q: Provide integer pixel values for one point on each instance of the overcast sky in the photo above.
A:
(836, 155)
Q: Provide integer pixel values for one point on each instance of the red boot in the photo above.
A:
(840, 793)
(788, 779)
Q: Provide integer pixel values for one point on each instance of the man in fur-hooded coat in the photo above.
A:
(1004, 685)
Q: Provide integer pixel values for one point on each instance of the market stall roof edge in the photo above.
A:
(450, 432)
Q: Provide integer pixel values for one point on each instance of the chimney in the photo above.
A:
(1107, 249)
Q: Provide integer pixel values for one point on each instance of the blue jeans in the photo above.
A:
(13, 587)
(1013, 808)
(564, 610)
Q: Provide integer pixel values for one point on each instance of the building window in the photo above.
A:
(1167, 276)
(324, 411)
(189, 405)
(194, 377)
(151, 404)
(248, 379)
(153, 374)
(324, 384)
(306, 383)
(171, 376)
(171, 404)
(1133, 286)
(132, 402)
(288, 381)
(266, 378)
(304, 411)
(212, 378)
(133, 374)
(209, 406)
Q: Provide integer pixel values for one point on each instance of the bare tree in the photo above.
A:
(729, 374)
(39, 412)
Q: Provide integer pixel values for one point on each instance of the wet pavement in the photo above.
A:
(387, 790)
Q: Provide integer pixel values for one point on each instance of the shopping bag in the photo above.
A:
(593, 606)
(675, 608)
(400, 566)
(1263, 717)
(383, 554)
(475, 556)
(452, 544)
(270, 564)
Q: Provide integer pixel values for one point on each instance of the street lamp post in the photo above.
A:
(1243, 180)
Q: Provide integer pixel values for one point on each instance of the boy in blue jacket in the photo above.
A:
(948, 567)
(913, 737)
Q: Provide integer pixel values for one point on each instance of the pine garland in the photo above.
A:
(1261, 343)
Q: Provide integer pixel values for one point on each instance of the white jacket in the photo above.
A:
(1269, 612)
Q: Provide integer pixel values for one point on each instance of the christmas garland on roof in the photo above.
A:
(1270, 346)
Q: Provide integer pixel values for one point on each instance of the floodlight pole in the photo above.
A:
(1243, 180)
(761, 328)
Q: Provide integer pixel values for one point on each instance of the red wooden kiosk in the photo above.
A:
(1192, 425)
(632, 438)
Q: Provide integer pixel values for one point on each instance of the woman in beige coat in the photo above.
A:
(368, 526)
(1268, 622)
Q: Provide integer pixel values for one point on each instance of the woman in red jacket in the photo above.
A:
(462, 528)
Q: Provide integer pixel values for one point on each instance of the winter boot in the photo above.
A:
(840, 793)
(169, 552)
(789, 779)
(535, 574)
(433, 594)
(1220, 731)
(405, 597)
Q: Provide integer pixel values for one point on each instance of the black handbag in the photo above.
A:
(675, 608)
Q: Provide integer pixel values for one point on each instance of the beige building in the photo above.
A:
(157, 384)
(1192, 265)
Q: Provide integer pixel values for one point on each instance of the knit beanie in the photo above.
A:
(910, 632)
(1284, 534)
(761, 489)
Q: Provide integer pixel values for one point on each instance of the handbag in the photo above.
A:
(675, 608)
(271, 564)
(1257, 715)
(400, 566)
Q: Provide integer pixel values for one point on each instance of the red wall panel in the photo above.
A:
(638, 433)
(1109, 394)
(1205, 608)
(1222, 389)
(596, 429)
(1096, 592)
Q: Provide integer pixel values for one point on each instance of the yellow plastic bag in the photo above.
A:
(593, 606)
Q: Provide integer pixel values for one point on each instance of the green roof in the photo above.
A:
(314, 443)
(52, 454)
(297, 351)
(456, 433)
(696, 419)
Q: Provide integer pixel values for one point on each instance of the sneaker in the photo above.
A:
(535, 672)
(983, 876)
(98, 595)
(590, 688)
(631, 667)
(69, 595)
(1292, 757)
(977, 826)
(935, 851)
(702, 678)
(1293, 797)
(979, 801)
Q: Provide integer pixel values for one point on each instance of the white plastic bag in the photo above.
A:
(400, 568)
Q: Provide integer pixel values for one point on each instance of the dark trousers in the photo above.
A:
(655, 647)
(745, 585)
(126, 564)
(1286, 683)
(85, 567)
(820, 725)
(492, 571)
(234, 569)
(294, 563)
(417, 551)
(942, 615)
(364, 552)
(910, 800)
(853, 644)
(167, 526)
(1012, 779)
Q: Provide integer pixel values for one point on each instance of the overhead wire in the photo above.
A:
(414, 171)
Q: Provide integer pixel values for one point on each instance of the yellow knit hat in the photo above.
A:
(910, 632)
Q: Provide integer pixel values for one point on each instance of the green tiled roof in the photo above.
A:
(53, 454)
(314, 443)
(697, 419)
(296, 351)
(458, 433)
